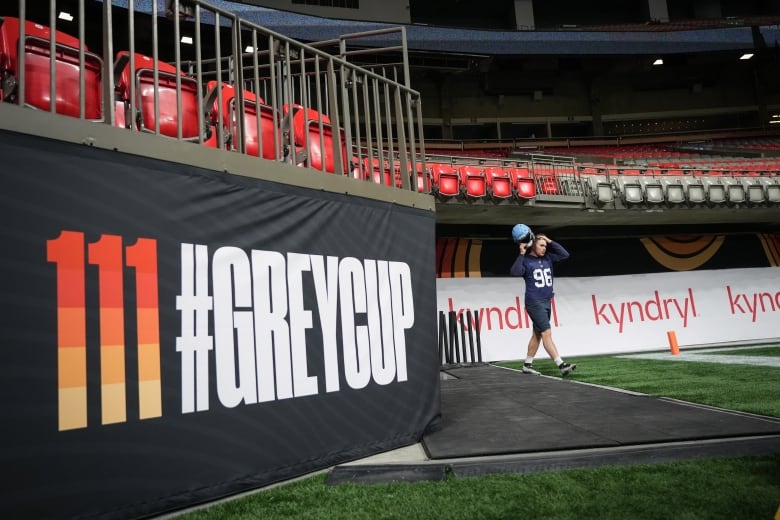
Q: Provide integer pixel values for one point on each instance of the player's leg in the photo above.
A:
(549, 344)
(552, 350)
(536, 311)
(533, 347)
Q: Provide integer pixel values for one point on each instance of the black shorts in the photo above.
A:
(539, 311)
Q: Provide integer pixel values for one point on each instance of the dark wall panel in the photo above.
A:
(172, 335)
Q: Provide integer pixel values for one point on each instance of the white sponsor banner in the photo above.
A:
(630, 313)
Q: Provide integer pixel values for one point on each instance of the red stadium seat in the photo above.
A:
(416, 179)
(143, 78)
(37, 70)
(359, 170)
(526, 189)
(446, 181)
(424, 184)
(523, 183)
(380, 172)
(121, 115)
(254, 140)
(472, 181)
(499, 183)
(317, 146)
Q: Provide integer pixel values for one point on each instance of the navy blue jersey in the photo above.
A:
(538, 271)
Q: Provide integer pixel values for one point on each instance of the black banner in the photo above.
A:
(172, 334)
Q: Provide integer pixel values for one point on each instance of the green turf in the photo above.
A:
(729, 489)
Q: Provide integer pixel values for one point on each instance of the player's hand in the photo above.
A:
(522, 248)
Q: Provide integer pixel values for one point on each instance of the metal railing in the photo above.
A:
(188, 70)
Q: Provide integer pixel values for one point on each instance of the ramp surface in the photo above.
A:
(488, 410)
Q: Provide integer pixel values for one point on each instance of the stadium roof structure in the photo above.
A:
(613, 40)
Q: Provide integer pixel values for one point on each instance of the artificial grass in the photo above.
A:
(747, 388)
(728, 489)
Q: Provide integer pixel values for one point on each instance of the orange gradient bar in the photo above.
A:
(67, 251)
(106, 253)
(143, 256)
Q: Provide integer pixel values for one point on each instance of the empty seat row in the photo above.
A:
(472, 182)
(389, 172)
(259, 130)
(648, 191)
(159, 90)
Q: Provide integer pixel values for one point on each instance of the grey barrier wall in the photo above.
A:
(173, 334)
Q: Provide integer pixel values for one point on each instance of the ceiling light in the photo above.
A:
(746, 56)
(658, 61)
(65, 16)
(186, 39)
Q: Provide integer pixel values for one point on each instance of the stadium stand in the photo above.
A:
(179, 98)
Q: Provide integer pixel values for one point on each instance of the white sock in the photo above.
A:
(558, 361)
(529, 360)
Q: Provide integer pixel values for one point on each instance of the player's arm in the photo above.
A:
(518, 267)
(522, 248)
(555, 250)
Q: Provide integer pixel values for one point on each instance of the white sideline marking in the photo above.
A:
(705, 357)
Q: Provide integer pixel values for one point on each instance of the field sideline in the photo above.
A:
(722, 488)
(762, 355)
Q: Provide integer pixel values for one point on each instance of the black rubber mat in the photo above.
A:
(488, 410)
(374, 474)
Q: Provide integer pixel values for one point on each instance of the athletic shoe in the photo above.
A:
(528, 368)
(566, 368)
